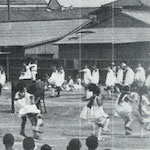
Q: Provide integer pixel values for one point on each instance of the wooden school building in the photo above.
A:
(118, 31)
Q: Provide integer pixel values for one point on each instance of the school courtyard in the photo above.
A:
(62, 123)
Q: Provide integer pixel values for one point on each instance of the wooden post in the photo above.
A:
(7, 66)
(12, 97)
(8, 3)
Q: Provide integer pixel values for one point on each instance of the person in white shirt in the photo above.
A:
(147, 81)
(2, 78)
(25, 73)
(128, 77)
(119, 79)
(86, 78)
(60, 80)
(34, 69)
(25, 106)
(140, 76)
(95, 75)
(78, 84)
(53, 79)
(110, 81)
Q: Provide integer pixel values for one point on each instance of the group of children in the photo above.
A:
(57, 81)
(123, 75)
(29, 70)
(27, 104)
(132, 102)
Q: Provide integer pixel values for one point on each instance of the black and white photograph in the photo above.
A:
(75, 74)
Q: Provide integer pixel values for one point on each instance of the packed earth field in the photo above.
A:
(62, 123)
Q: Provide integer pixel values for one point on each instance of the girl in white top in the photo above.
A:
(147, 82)
(2, 77)
(110, 81)
(54, 76)
(26, 72)
(87, 75)
(95, 75)
(119, 79)
(86, 78)
(78, 85)
(34, 69)
(60, 80)
(25, 107)
(123, 108)
(95, 114)
(53, 79)
(140, 76)
(129, 77)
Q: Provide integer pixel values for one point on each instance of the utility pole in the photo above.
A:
(8, 3)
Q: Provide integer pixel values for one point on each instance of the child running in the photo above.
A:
(25, 106)
(94, 113)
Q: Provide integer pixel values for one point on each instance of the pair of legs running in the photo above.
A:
(98, 127)
(127, 124)
(36, 122)
(57, 89)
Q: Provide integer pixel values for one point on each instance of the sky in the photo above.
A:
(83, 3)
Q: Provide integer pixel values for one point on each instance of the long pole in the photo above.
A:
(8, 3)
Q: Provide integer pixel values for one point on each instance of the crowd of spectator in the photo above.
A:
(29, 143)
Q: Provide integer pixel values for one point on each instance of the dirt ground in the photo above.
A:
(62, 123)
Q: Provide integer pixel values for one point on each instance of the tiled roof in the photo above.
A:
(43, 14)
(83, 3)
(140, 15)
(108, 35)
(32, 33)
(125, 3)
(23, 2)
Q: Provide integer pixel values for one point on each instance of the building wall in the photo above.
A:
(43, 49)
(88, 51)
(101, 54)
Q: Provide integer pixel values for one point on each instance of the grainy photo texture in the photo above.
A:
(75, 74)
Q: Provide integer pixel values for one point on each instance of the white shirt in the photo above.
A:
(147, 82)
(119, 78)
(140, 76)
(54, 77)
(33, 68)
(60, 78)
(129, 78)
(87, 75)
(95, 76)
(26, 74)
(110, 78)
